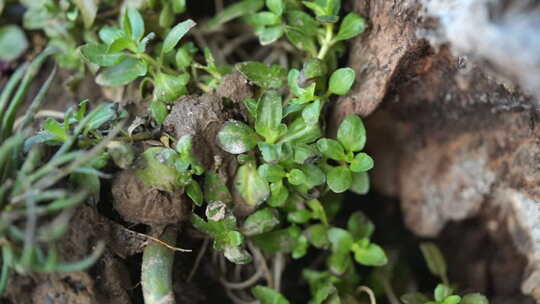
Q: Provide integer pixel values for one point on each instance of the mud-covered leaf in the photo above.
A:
(236, 137)
(237, 255)
(168, 88)
(341, 81)
(123, 73)
(270, 77)
(153, 171)
(361, 163)
(88, 10)
(97, 54)
(267, 295)
(370, 255)
(352, 133)
(360, 183)
(261, 221)
(13, 42)
(175, 34)
(251, 186)
(434, 259)
(351, 26)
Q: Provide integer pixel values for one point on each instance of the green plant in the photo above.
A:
(36, 201)
(444, 293)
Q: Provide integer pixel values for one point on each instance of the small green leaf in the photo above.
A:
(236, 137)
(313, 68)
(299, 132)
(283, 240)
(275, 6)
(168, 88)
(183, 58)
(97, 54)
(56, 129)
(301, 247)
(267, 295)
(300, 216)
(352, 25)
(304, 94)
(339, 179)
(123, 73)
(279, 194)
(474, 298)
(262, 75)
(101, 116)
(237, 255)
(435, 260)
(271, 173)
(318, 211)
(251, 186)
(262, 19)
(159, 111)
(315, 7)
(193, 190)
(302, 22)
(331, 148)
(340, 239)
(268, 35)
(372, 255)
(88, 10)
(179, 6)
(136, 24)
(452, 300)
(360, 226)
(341, 81)
(166, 16)
(361, 163)
(442, 292)
(269, 114)
(153, 171)
(261, 221)
(312, 112)
(304, 154)
(360, 183)
(109, 34)
(314, 176)
(296, 177)
(215, 189)
(352, 133)
(318, 235)
(234, 11)
(176, 33)
(414, 298)
(339, 262)
(13, 42)
(301, 41)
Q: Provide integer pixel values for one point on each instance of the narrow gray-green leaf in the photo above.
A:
(176, 33)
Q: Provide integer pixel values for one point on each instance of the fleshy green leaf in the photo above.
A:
(276, 6)
(352, 133)
(88, 9)
(340, 239)
(109, 34)
(263, 19)
(237, 255)
(331, 148)
(414, 298)
(153, 171)
(268, 35)
(341, 81)
(301, 247)
(435, 260)
(251, 186)
(234, 11)
(452, 300)
(176, 33)
(312, 112)
(283, 240)
(236, 137)
(267, 295)
(318, 235)
(352, 25)
(302, 22)
(271, 173)
(13, 42)
(168, 88)
(134, 21)
(269, 114)
(97, 54)
(262, 75)
(339, 179)
(361, 163)
(261, 221)
(179, 6)
(279, 194)
(123, 73)
(300, 216)
(371, 255)
(299, 132)
(296, 177)
(215, 188)
(474, 298)
(339, 262)
(360, 226)
(193, 190)
(159, 111)
(442, 292)
(304, 154)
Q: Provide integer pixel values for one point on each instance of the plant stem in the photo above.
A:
(156, 273)
(327, 41)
